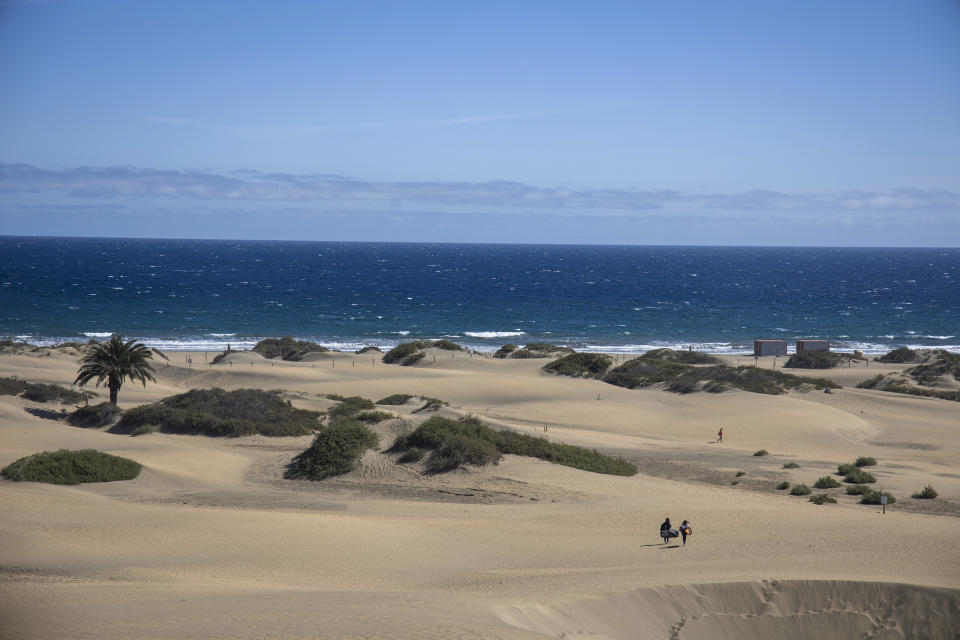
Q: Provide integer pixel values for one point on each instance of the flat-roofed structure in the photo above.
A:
(813, 345)
(769, 348)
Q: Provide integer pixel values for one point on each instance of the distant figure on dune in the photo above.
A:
(685, 530)
(665, 530)
(720, 435)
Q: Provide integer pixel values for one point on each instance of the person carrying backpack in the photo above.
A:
(685, 530)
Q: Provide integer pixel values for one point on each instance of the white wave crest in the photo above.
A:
(494, 334)
(97, 334)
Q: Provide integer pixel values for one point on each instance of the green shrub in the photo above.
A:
(846, 469)
(859, 477)
(927, 493)
(39, 392)
(783, 486)
(683, 357)
(790, 465)
(395, 400)
(460, 450)
(95, 415)
(872, 383)
(640, 372)
(411, 455)
(446, 345)
(761, 452)
(873, 497)
(740, 473)
(505, 351)
(413, 359)
(145, 429)
(857, 489)
(684, 385)
(813, 360)
(826, 482)
(864, 461)
(944, 363)
(72, 467)
(287, 348)
(373, 417)
(546, 347)
(368, 349)
(822, 498)
(404, 350)
(580, 365)
(350, 406)
(334, 451)
(430, 404)
(800, 490)
(215, 412)
(11, 386)
(899, 356)
(434, 431)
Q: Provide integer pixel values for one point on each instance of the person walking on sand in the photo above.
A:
(665, 530)
(685, 530)
(720, 435)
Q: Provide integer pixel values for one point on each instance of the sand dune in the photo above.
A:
(211, 541)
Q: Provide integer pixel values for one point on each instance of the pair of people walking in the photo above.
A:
(667, 531)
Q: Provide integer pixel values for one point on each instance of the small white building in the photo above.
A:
(813, 345)
(769, 348)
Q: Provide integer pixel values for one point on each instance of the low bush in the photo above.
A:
(898, 356)
(813, 360)
(72, 467)
(790, 465)
(800, 490)
(859, 477)
(580, 365)
(873, 497)
(39, 392)
(872, 383)
(287, 348)
(864, 461)
(944, 363)
(430, 404)
(761, 452)
(94, 416)
(413, 359)
(505, 351)
(373, 417)
(458, 450)
(783, 486)
(395, 400)
(846, 468)
(350, 406)
(826, 482)
(857, 489)
(822, 498)
(404, 350)
(927, 493)
(431, 434)
(740, 473)
(683, 357)
(144, 430)
(446, 345)
(368, 349)
(215, 412)
(411, 455)
(334, 451)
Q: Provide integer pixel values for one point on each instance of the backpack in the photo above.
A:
(687, 530)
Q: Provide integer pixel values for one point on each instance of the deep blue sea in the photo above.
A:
(204, 294)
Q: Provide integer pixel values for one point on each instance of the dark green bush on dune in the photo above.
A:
(94, 415)
(898, 356)
(434, 432)
(580, 365)
(404, 350)
(944, 364)
(38, 391)
(505, 351)
(334, 451)
(395, 400)
(287, 348)
(814, 360)
(683, 357)
(72, 467)
(215, 412)
(350, 406)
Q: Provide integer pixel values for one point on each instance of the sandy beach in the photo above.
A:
(211, 542)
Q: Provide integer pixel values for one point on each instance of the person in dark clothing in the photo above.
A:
(685, 530)
(664, 529)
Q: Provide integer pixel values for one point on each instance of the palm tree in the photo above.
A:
(115, 361)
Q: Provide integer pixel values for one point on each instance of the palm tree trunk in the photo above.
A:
(114, 391)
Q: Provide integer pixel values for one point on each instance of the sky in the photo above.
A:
(697, 122)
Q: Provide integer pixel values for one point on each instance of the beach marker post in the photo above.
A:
(883, 502)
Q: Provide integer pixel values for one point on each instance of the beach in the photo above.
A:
(210, 541)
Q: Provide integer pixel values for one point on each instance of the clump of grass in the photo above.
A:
(800, 490)
(826, 482)
(871, 383)
(145, 429)
(858, 489)
(814, 360)
(899, 355)
(859, 477)
(430, 404)
(411, 455)
(927, 493)
(334, 451)
(683, 357)
(373, 417)
(864, 461)
(740, 473)
(287, 348)
(871, 496)
(791, 465)
(395, 400)
(505, 351)
(783, 486)
(762, 452)
(404, 350)
(431, 434)
(846, 468)
(72, 467)
(39, 392)
(446, 345)
(94, 415)
(734, 482)
(459, 450)
(822, 498)
(580, 365)
(944, 363)
(350, 406)
(215, 412)
(368, 349)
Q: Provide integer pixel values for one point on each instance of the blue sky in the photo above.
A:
(815, 122)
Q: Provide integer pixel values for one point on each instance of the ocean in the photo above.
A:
(206, 294)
